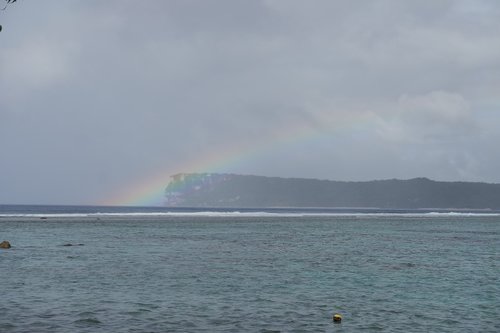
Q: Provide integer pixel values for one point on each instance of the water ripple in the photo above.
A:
(256, 274)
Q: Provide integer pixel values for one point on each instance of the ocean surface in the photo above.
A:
(129, 269)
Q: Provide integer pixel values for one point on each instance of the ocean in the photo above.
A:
(130, 269)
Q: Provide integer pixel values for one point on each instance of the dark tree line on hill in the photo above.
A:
(228, 190)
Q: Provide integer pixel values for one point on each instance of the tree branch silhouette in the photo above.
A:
(8, 2)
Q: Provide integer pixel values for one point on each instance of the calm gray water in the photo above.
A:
(250, 274)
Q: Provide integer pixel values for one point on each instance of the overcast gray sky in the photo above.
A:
(97, 97)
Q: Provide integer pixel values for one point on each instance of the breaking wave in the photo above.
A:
(45, 212)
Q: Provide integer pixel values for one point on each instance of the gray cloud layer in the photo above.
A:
(98, 94)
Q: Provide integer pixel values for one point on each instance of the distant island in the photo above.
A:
(246, 191)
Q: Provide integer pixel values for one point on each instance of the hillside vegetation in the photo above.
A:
(230, 190)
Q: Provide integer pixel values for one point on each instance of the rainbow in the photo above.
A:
(149, 191)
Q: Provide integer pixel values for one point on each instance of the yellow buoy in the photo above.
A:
(337, 318)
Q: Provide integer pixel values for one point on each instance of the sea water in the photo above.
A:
(74, 269)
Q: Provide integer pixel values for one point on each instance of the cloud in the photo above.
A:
(114, 91)
(433, 117)
(32, 66)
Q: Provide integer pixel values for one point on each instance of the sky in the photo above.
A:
(101, 101)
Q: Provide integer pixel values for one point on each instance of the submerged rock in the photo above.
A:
(5, 245)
